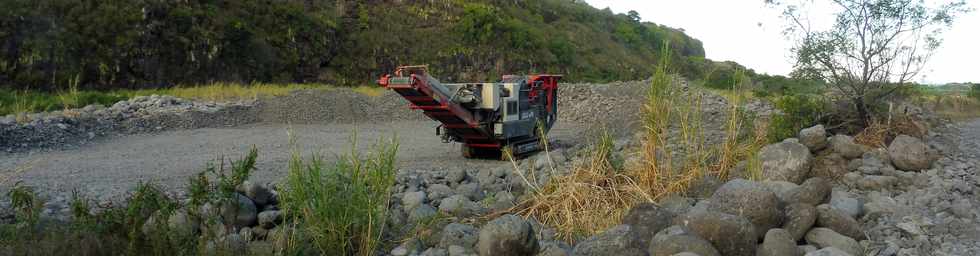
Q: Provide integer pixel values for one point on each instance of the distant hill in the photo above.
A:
(103, 44)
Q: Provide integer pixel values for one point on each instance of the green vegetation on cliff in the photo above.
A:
(108, 44)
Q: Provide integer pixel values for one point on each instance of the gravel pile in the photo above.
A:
(138, 115)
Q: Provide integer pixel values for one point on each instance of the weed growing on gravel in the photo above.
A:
(26, 204)
(342, 207)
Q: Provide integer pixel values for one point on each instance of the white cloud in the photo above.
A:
(749, 32)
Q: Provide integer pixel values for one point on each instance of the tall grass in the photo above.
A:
(599, 191)
(342, 207)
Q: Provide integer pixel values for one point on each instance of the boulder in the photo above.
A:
(779, 242)
(410, 200)
(799, 219)
(259, 194)
(437, 192)
(554, 248)
(750, 200)
(876, 182)
(242, 212)
(182, 223)
(845, 202)
(808, 248)
(786, 161)
(674, 244)
(421, 213)
(814, 138)
(460, 206)
(839, 222)
(615, 241)
(459, 235)
(503, 200)
(830, 251)
(781, 189)
(813, 191)
(471, 191)
(435, 252)
(844, 146)
(269, 219)
(909, 154)
(456, 176)
(645, 220)
(704, 187)
(507, 235)
(824, 237)
(729, 234)
(677, 204)
(829, 166)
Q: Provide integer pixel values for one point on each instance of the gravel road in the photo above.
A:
(113, 166)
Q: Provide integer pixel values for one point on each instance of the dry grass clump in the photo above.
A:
(880, 133)
(599, 191)
(594, 196)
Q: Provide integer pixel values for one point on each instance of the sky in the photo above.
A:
(750, 33)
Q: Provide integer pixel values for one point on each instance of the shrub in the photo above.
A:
(798, 112)
(974, 91)
(341, 207)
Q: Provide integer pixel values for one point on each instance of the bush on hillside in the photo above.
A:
(974, 91)
(798, 112)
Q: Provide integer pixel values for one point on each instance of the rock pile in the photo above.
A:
(805, 205)
(252, 215)
(137, 115)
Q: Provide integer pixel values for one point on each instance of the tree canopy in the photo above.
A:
(872, 49)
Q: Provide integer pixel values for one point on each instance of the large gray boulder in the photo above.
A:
(554, 248)
(799, 219)
(410, 200)
(645, 220)
(750, 200)
(909, 154)
(829, 251)
(507, 235)
(814, 138)
(615, 241)
(260, 195)
(824, 238)
(846, 202)
(813, 191)
(421, 213)
(241, 211)
(844, 146)
(269, 219)
(460, 235)
(779, 242)
(729, 234)
(786, 161)
(839, 221)
(830, 166)
(676, 240)
(782, 189)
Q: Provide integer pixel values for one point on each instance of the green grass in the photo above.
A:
(343, 205)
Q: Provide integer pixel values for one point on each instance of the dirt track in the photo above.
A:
(113, 166)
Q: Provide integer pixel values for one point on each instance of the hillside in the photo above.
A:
(104, 44)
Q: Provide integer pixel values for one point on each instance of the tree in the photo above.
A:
(633, 15)
(872, 49)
